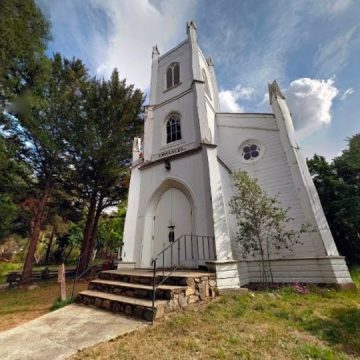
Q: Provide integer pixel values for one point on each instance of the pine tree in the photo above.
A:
(101, 144)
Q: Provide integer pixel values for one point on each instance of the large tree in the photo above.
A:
(23, 68)
(101, 145)
(41, 129)
(338, 186)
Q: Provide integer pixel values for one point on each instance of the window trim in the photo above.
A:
(172, 67)
(168, 118)
(261, 150)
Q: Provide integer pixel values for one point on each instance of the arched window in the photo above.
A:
(172, 75)
(173, 129)
(206, 82)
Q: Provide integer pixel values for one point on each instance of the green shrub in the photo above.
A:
(58, 304)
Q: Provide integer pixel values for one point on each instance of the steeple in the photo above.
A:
(190, 26)
(154, 71)
(155, 51)
(275, 92)
(282, 113)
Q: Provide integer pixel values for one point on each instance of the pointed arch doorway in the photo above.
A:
(173, 213)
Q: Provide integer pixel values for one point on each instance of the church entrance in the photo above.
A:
(173, 218)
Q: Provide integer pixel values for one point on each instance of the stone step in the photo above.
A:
(135, 290)
(145, 277)
(130, 291)
(140, 308)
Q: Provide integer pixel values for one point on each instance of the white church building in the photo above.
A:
(181, 179)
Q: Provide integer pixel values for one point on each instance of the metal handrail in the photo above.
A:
(173, 268)
(77, 277)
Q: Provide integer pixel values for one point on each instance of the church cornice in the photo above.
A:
(176, 97)
(173, 49)
(171, 157)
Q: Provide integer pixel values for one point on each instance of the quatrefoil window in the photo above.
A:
(251, 150)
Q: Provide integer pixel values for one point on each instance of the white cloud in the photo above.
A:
(229, 99)
(310, 101)
(243, 92)
(135, 27)
(228, 102)
(112, 33)
(346, 93)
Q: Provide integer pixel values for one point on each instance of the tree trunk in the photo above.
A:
(86, 243)
(95, 226)
(46, 262)
(29, 261)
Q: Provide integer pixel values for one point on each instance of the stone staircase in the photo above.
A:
(130, 291)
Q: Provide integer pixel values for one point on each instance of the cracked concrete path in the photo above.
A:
(61, 333)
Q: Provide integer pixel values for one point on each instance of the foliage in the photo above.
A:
(15, 184)
(263, 225)
(65, 141)
(70, 239)
(101, 139)
(24, 36)
(41, 131)
(58, 303)
(100, 146)
(111, 227)
(338, 186)
(8, 212)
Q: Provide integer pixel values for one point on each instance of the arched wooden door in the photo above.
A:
(173, 213)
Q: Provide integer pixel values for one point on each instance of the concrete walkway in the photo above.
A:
(63, 332)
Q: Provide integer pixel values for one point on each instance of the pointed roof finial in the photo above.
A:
(274, 91)
(209, 61)
(190, 25)
(155, 50)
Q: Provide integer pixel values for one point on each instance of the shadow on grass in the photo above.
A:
(340, 328)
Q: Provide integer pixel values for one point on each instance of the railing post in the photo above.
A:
(208, 241)
(202, 239)
(154, 291)
(214, 248)
(163, 256)
(197, 248)
(178, 251)
(192, 247)
(171, 254)
(185, 248)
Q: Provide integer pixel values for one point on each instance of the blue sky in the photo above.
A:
(311, 47)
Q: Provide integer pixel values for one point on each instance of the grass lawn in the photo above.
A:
(20, 305)
(323, 324)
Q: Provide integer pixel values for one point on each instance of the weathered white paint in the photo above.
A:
(201, 166)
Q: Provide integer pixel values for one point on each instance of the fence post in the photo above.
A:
(61, 280)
